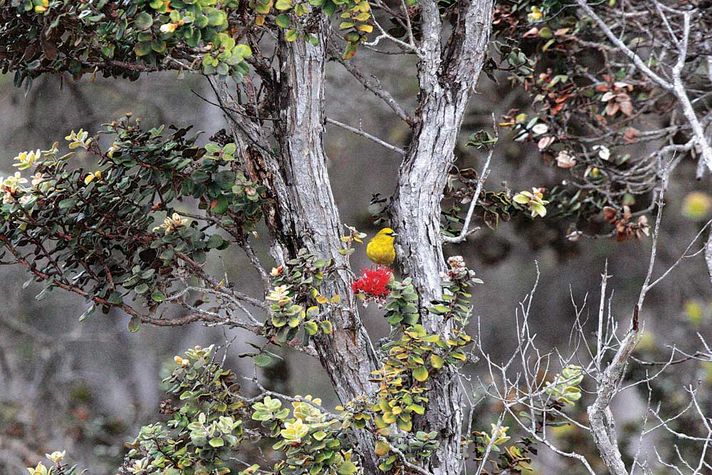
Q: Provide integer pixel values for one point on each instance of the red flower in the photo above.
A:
(373, 282)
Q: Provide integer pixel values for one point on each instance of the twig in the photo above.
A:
(404, 459)
(599, 413)
(599, 335)
(364, 134)
(373, 84)
(480, 183)
(637, 60)
(676, 87)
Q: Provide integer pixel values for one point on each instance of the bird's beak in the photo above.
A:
(394, 234)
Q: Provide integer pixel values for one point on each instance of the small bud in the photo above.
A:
(56, 457)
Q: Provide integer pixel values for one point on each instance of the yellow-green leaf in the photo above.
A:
(436, 361)
(420, 373)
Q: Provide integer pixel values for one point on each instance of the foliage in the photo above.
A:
(312, 442)
(534, 201)
(58, 466)
(456, 301)
(93, 232)
(61, 35)
(566, 386)
(582, 115)
(295, 300)
(402, 303)
(412, 358)
(121, 234)
(212, 419)
(509, 455)
(512, 457)
(205, 426)
(124, 39)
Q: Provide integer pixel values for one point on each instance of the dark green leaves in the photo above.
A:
(116, 233)
(143, 21)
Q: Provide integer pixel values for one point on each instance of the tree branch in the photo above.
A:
(473, 204)
(373, 84)
(370, 137)
(599, 413)
(676, 87)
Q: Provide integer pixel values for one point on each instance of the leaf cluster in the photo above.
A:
(94, 232)
(295, 299)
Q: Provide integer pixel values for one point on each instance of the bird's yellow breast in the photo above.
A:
(380, 250)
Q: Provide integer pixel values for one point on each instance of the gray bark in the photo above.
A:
(313, 218)
(447, 79)
(600, 417)
(708, 255)
(304, 214)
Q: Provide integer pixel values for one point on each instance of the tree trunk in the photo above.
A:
(447, 80)
(313, 218)
(305, 214)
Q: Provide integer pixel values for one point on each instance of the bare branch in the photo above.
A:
(637, 60)
(373, 138)
(373, 84)
(473, 204)
(676, 87)
(708, 254)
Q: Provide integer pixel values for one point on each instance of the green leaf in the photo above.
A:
(420, 373)
(436, 361)
(216, 442)
(311, 327)
(143, 21)
(222, 69)
(326, 327)
(347, 468)
(158, 296)
(141, 288)
(134, 324)
(439, 309)
(282, 20)
(158, 46)
(263, 360)
(115, 298)
(68, 203)
(221, 205)
(143, 48)
(216, 17)
(216, 242)
(404, 424)
(290, 35)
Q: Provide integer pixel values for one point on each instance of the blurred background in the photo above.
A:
(88, 386)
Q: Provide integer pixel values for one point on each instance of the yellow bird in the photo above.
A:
(380, 249)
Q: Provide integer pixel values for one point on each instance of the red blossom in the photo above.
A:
(373, 282)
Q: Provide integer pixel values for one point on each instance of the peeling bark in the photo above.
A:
(306, 215)
(303, 213)
(313, 218)
(447, 80)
